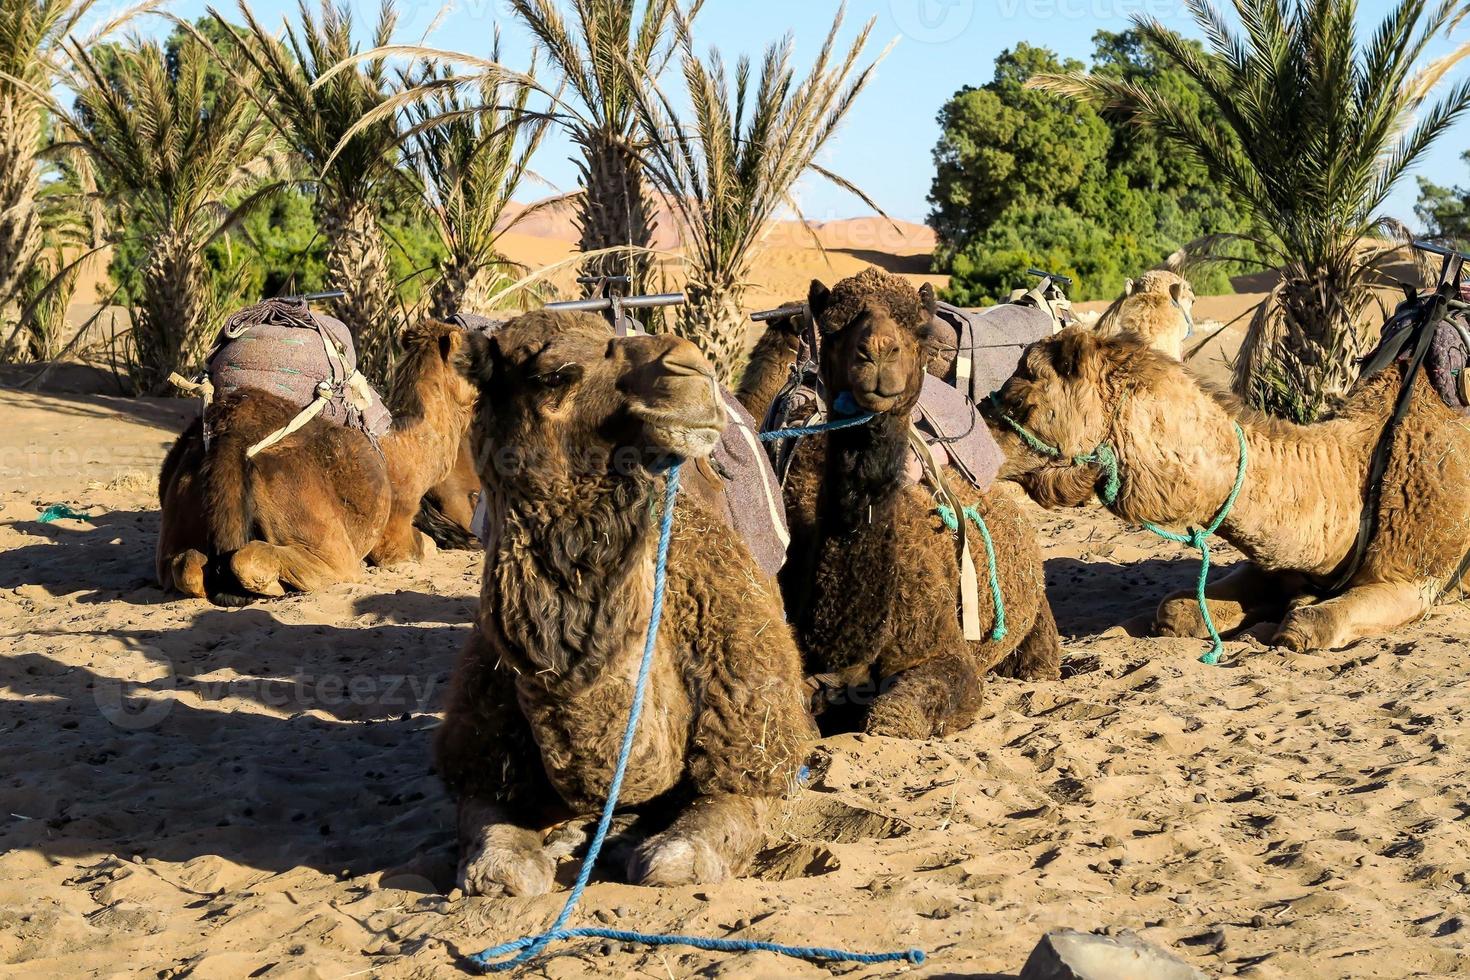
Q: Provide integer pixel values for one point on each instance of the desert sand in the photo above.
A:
(193, 791)
(210, 793)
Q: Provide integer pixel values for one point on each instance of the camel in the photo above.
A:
(1158, 306)
(872, 579)
(304, 513)
(769, 365)
(448, 508)
(1297, 516)
(573, 430)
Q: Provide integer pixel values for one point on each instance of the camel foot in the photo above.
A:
(505, 861)
(187, 570)
(257, 569)
(1039, 657)
(672, 859)
(898, 718)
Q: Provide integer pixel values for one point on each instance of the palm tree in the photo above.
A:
(607, 56)
(32, 57)
(1318, 129)
(729, 169)
(470, 155)
(353, 176)
(168, 155)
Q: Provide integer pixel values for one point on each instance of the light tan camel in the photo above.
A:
(1304, 491)
(1158, 306)
(303, 513)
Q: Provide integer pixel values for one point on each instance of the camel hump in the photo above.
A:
(287, 349)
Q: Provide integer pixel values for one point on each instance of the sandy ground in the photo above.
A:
(191, 791)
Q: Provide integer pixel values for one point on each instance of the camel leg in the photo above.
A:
(712, 840)
(941, 694)
(269, 569)
(186, 573)
(1039, 657)
(401, 541)
(1247, 594)
(1361, 611)
(499, 856)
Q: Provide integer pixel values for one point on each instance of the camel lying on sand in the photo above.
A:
(1298, 513)
(1157, 306)
(304, 512)
(573, 428)
(872, 578)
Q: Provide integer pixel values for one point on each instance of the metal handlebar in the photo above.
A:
(1053, 276)
(310, 297)
(603, 303)
(779, 313)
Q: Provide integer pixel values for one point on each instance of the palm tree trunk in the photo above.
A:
(20, 232)
(463, 286)
(1301, 357)
(357, 264)
(171, 322)
(714, 319)
(616, 210)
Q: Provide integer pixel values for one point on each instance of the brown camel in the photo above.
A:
(770, 364)
(1158, 306)
(573, 428)
(304, 513)
(1298, 513)
(872, 581)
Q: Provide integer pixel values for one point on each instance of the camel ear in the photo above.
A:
(927, 297)
(476, 358)
(818, 296)
(1176, 291)
(1128, 287)
(1075, 354)
(451, 342)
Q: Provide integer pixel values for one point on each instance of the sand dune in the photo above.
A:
(193, 791)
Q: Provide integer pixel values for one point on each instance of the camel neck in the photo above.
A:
(1302, 490)
(864, 473)
(565, 581)
(423, 442)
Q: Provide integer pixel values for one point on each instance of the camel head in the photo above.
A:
(562, 399)
(1068, 392)
(431, 366)
(877, 338)
(1159, 307)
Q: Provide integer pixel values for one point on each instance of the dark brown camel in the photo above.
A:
(573, 428)
(872, 583)
(304, 513)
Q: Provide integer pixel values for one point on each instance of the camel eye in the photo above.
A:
(559, 377)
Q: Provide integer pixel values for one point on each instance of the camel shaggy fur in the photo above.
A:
(573, 429)
(1157, 306)
(1297, 516)
(872, 579)
(304, 513)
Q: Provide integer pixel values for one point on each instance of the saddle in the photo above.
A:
(308, 358)
(1446, 363)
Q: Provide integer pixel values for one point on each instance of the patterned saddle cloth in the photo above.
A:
(306, 357)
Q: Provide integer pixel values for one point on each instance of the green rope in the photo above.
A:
(947, 516)
(1198, 537)
(1103, 455)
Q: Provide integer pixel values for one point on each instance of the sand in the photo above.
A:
(192, 791)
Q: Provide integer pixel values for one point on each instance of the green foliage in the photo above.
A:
(1308, 121)
(1444, 212)
(1026, 179)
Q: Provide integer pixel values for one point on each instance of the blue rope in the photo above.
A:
(811, 430)
(1198, 537)
(528, 947)
(946, 515)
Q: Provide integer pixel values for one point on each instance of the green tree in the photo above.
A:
(1444, 212)
(1313, 125)
(1027, 179)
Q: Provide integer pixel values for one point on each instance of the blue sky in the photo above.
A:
(885, 146)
